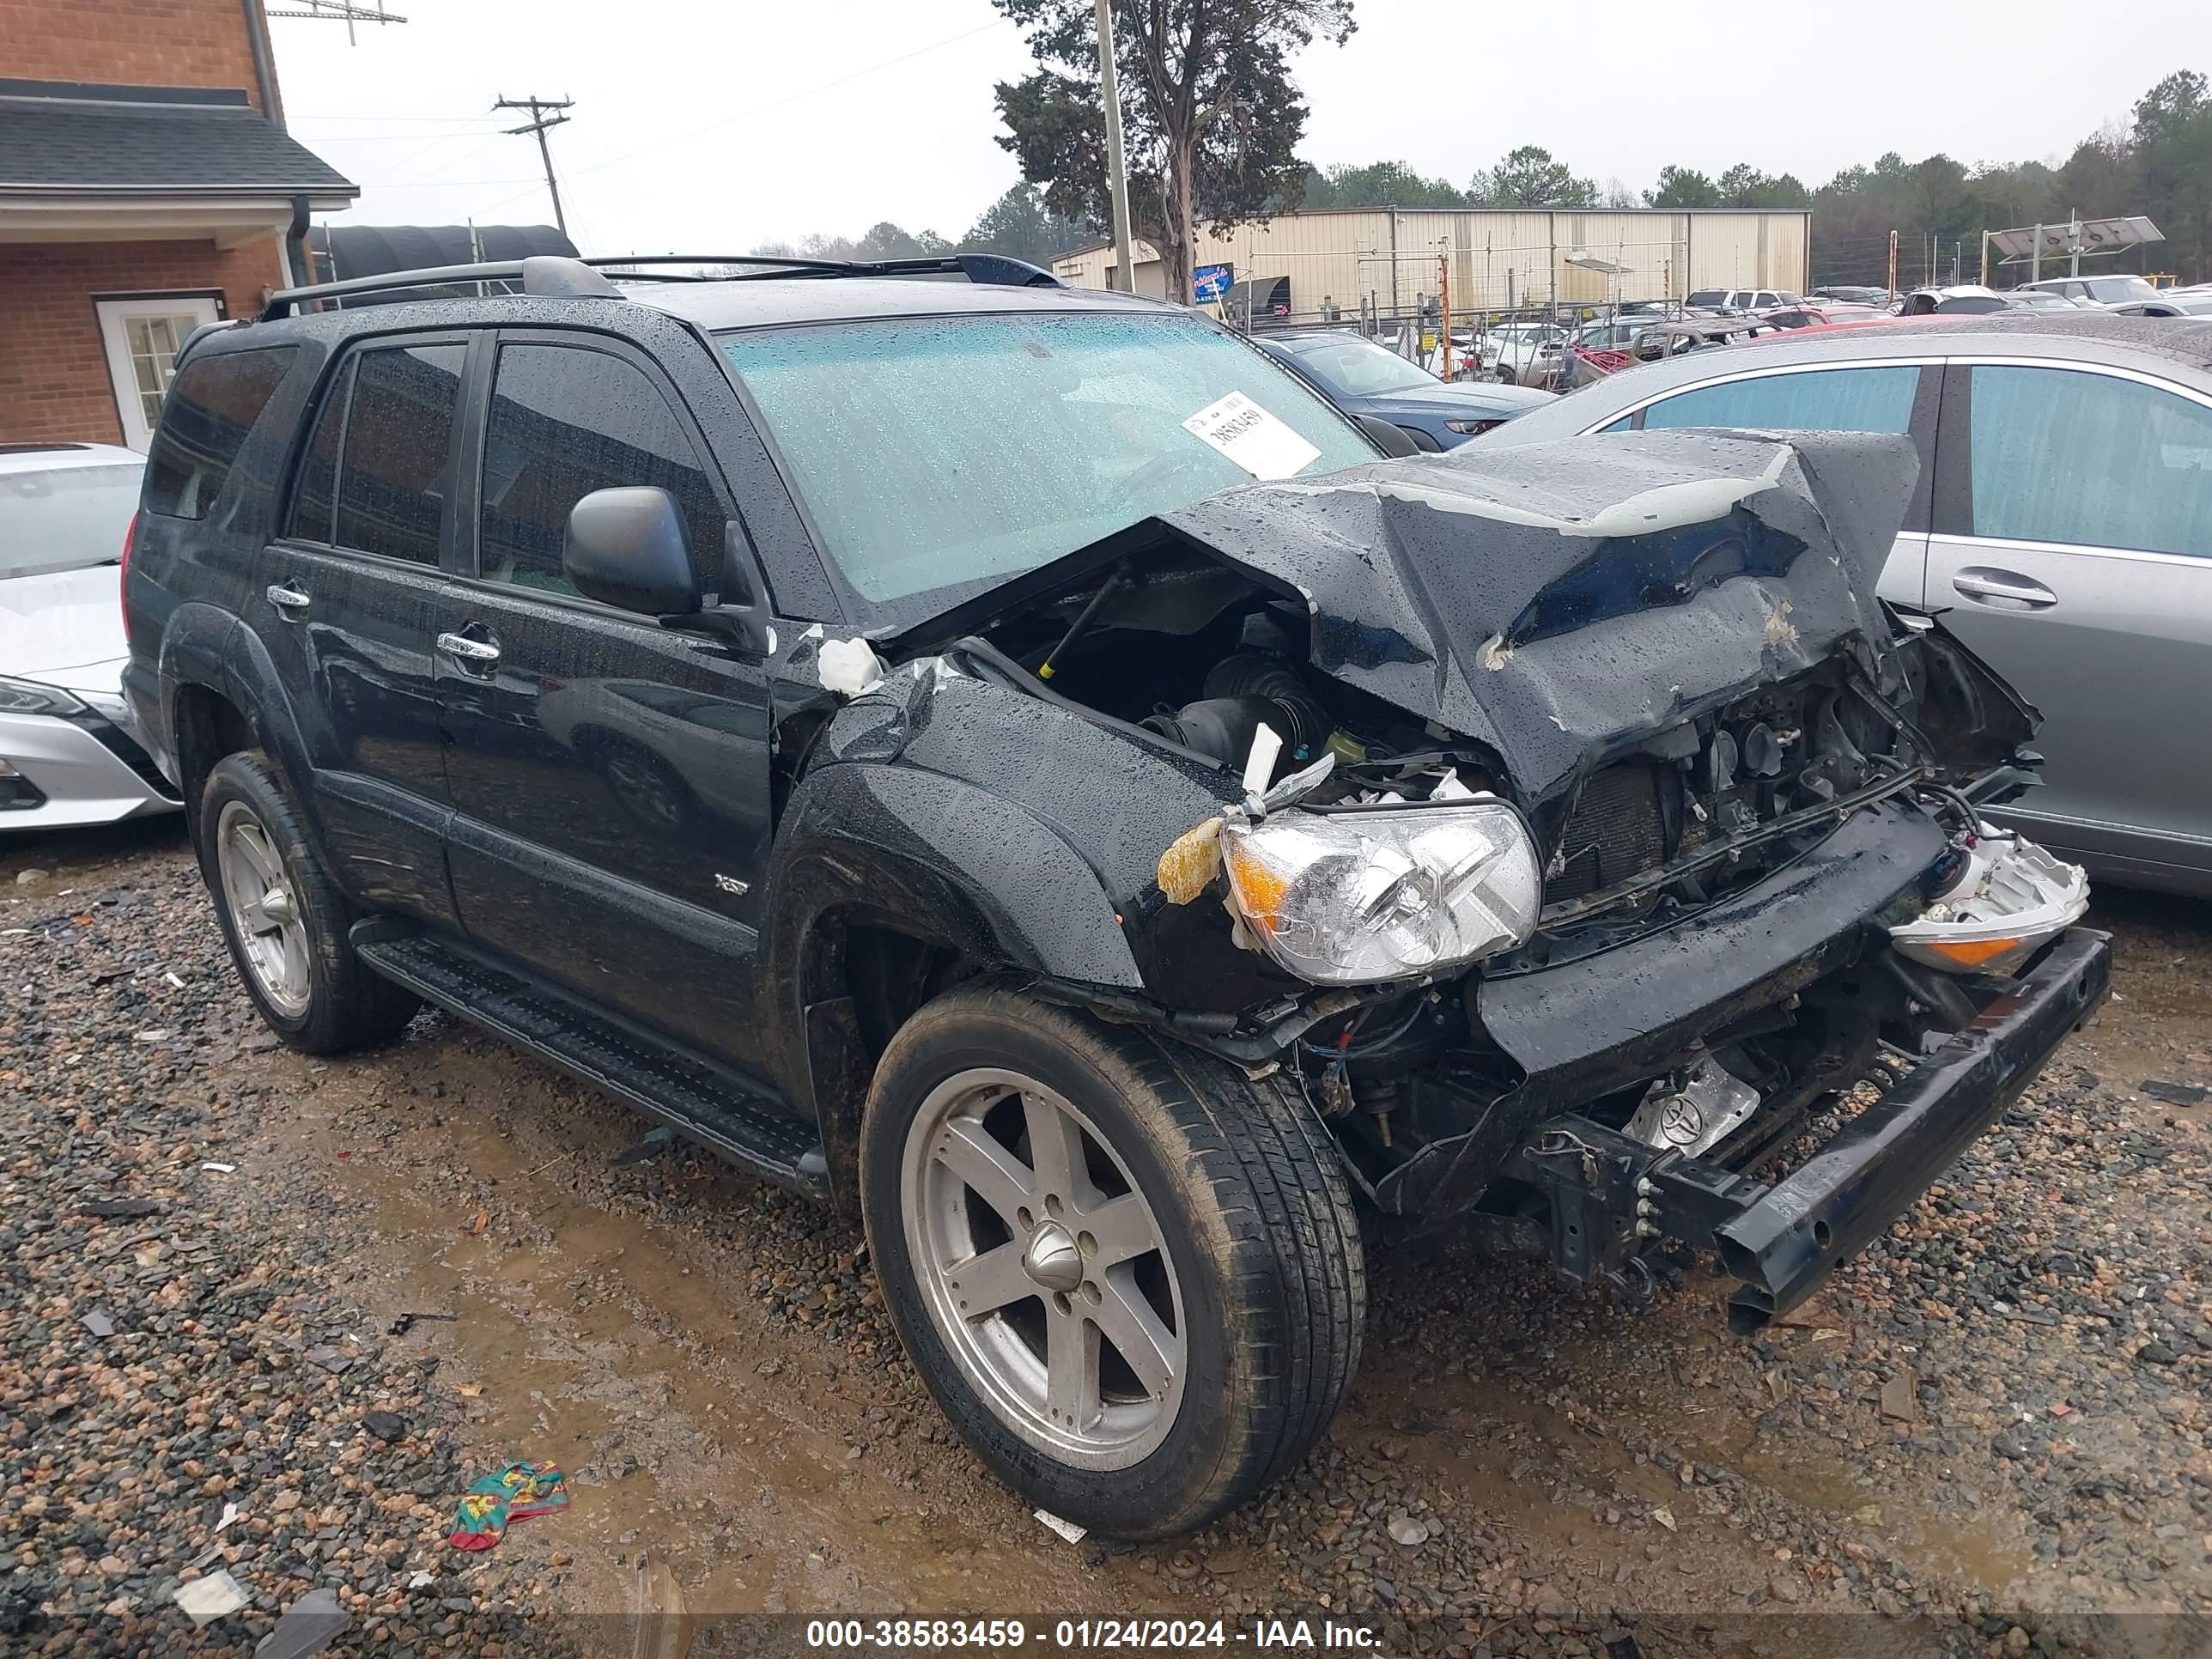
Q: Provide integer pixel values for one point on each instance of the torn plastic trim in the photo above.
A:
(1270, 1035)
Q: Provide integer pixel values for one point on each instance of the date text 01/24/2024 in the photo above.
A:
(1083, 1633)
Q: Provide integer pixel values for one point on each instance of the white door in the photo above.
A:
(142, 337)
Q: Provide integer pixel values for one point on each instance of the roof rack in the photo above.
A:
(549, 274)
(996, 270)
(557, 275)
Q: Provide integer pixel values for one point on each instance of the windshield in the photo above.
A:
(66, 518)
(1353, 367)
(2108, 288)
(940, 453)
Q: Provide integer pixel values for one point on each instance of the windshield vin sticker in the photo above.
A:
(1263, 445)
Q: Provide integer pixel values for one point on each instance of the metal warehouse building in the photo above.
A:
(1389, 258)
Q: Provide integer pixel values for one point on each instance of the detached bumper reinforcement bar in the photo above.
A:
(1784, 1245)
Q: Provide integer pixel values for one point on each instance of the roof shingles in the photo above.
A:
(53, 146)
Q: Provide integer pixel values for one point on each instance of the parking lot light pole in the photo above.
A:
(1117, 177)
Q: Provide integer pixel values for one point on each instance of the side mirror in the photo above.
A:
(625, 547)
(741, 618)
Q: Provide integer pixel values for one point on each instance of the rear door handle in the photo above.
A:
(1988, 586)
(477, 654)
(287, 599)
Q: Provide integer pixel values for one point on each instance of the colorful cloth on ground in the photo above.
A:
(519, 1492)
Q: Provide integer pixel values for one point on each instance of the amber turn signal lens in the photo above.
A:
(1971, 953)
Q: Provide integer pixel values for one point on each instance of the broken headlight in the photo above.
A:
(2011, 899)
(1349, 898)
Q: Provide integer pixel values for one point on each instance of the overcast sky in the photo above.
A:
(704, 125)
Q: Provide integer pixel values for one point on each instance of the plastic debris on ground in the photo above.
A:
(1066, 1530)
(520, 1492)
(2175, 1094)
(308, 1626)
(206, 1600)
(99, 1323)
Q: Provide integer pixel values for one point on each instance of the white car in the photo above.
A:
(1521, 354)
(1743, 299)
(2096, 290)
(66, 755)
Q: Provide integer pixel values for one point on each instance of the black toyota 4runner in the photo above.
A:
(1016, 762)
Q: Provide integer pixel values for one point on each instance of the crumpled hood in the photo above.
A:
(63, 628)
(1556, 600)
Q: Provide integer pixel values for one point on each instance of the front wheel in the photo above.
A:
(1131, 1276)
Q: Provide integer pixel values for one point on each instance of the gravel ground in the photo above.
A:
(1990, 1426)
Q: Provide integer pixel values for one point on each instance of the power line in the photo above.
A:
(441, 166)
(776, 104)
(545, 114)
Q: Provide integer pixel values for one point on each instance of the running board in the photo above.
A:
(706, 1103)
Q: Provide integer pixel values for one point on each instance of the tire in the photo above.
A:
(301, 970)
(1508, 375)
(1255, 1281)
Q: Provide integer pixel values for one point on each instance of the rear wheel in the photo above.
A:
(1131, 1276)
(285, 919)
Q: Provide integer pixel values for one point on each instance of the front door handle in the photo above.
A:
(477, 653)
(1992, 586)
(288, 600)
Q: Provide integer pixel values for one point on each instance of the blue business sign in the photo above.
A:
(1211, 283)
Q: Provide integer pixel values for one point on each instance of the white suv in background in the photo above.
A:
(65, 756)
(1743, 299)
(2097, 290)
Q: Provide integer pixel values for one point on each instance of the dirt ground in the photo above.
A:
(1992, 1425)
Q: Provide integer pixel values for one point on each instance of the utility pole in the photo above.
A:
(544, 115)
(1117, 177)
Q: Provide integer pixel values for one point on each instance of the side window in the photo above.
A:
(1620, 425)
(566, 421)
(315, 496)
(1826, 399)
(397, 470)
(2063, 455)
(211, 407)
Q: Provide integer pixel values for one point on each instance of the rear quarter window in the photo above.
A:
(211, 406)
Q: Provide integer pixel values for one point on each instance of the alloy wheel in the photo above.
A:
(1044, 1268)
(265, 908)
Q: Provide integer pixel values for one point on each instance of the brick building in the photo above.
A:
(146, 186)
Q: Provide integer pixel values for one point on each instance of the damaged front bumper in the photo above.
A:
(1783, 1242)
